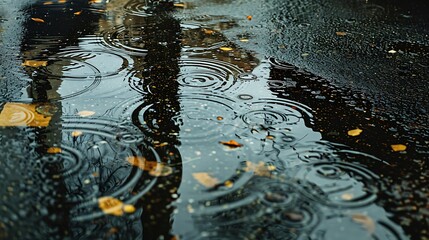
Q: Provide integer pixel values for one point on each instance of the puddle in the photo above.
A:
(132, 124)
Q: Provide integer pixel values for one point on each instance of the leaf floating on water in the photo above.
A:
(231, 144)
(35, 63)
(354, 132)
(39, 20)
(260, 169)
(22, 114)
(54, 150)
(398, 147)
(392, 51)
(180, 5)
(219, 118)
(77, 13)
(341, 34)
(205, 179)
(366, 222)
(85, 113)
(208, 31)
(156, 169)
(48, 3)
(226, 49)
(113, 206)
(244, 40)
(249, 17)
(76, 133)
(347, 196)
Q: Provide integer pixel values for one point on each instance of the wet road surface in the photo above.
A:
(123, 121)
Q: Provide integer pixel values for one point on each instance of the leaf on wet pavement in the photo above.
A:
(39, 20)
(22, 114)
(76, 133)
(54, 150)
(226, 49)
(354, 132)
(113, 206)
(366, 222)
(341, 34)
(398, 147)
(156, 169)
(260, 169)
(35, 63)
(231, 144)
(205, 179)
(85, 113)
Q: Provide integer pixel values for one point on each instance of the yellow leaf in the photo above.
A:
(180, 5)
(231, 144)
(35, 63)
(226, 49)
(205, 179)
(22, 114)
(76, 133)
(228, 184)
(77, 13)
(347, 196)
(113, 206)
(86, 113)
(156, 169)
(341, 34)
(260, 169)
(39, 20)
(48, 3)
(244, 40)
(54, 150)
(354, 132)
(398, 147)
(365, 221)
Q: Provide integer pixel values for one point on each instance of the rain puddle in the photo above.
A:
(122, 122)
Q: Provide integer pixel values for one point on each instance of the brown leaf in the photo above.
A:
(260, 169)
(231, 144)
(39, 20)
(54, 150)
(341, 34)
(156, 169)
(77, 13)
(85, 113)
(249, 17)
(205, 179)
(113, 206)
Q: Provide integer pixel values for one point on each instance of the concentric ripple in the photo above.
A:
(343, 184)
(208, 74)
(92, 163)
(137, 8)
(130, 40)
(276, 114)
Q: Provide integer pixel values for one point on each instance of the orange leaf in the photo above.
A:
(35, 63)
(54, 150)
(113, 206)
(341, 34)
(398, 147)
(354, 132)
(205, 179)
(77, 13)
(22, 114)
(85, 113)
(39, 20)
(156, 169)
(249, 17)
(231, 144)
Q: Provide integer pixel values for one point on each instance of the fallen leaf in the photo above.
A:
(231, 144)
(392, 51)
(219, 118)
(156, 169)
(354, 132)
(77, 13)
(205, 179)
(365, 221)
(54, 150)
(244, 40)
(62, 1)
(180, 5)
(76, 133)
(226, 49)
(35, 63)
(39, 20)
(228, 184)
(249, 17)
(260, 169)
(347, 196)
(113, 206)
(85, 113)
(341, 34)
(208, 31)
(398, 147)
(22, 114)
(48, 3)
